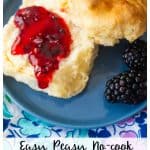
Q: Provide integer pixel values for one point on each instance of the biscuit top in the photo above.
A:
(110, 20)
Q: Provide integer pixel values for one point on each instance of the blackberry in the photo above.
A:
(136, 55)
(128, 87)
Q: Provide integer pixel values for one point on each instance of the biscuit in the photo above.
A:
(108, 21)
(73, 73)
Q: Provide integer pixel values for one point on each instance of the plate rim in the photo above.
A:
(142, 106)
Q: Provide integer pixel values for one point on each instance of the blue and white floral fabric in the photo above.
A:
(18, 123)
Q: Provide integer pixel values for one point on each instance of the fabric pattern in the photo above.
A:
(20, 124)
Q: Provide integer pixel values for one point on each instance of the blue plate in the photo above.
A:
(88, 109)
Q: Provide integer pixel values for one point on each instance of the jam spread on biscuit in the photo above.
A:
(45, 38)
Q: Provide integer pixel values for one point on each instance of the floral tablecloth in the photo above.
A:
(18, 123)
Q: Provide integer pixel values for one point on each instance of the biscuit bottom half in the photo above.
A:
(73, 73)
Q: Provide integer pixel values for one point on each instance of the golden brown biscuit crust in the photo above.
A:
(110, 20)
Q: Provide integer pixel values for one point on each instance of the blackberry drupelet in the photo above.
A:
(129, 87)
(136, 55)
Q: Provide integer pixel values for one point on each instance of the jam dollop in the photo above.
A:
(45, 38)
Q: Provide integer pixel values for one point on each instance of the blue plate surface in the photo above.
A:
(88, 109)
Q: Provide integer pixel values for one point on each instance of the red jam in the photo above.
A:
(45, 38)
